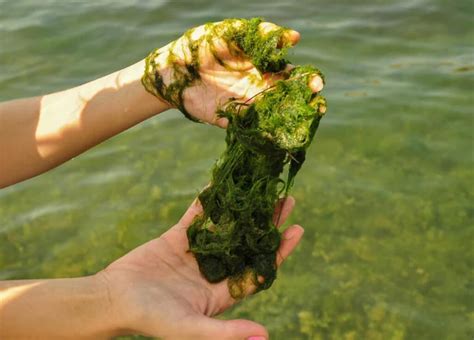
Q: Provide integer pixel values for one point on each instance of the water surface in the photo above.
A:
(385, 196)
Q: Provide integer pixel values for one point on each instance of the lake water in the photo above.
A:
(386, 195)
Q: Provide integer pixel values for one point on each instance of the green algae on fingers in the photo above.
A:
(241, 38)
(267, 51)
(235, 236)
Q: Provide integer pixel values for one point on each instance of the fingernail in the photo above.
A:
(293, 232)
(316, 84)
(257, 338)
(290, 236)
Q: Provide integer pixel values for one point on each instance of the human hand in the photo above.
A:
(158, 290)
(202, 71)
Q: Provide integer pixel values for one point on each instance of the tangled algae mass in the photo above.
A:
(236, 237)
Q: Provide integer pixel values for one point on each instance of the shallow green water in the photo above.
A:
(385, 196)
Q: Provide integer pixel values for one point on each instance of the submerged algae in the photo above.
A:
(235, 237)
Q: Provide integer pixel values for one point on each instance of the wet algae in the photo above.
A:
(236, 237)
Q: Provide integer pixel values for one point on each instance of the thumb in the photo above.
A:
(203, 327)
(194, 209)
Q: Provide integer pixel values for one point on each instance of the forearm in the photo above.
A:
(37, 134)
(77, 308)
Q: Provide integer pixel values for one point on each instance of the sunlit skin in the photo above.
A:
(157, 288)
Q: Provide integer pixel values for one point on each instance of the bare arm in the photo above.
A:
(56, 309)
(37, 134)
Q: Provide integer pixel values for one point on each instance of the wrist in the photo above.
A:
(131, 78)
(157, 75)
(116, 320)
(169, 72)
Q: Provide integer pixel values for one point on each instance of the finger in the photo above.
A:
(289, 37)
(222, 122)
(289, 240)
(202, 327)
(283, 209)
(195, 209)
(288, 68)
(229, 58)
(316, 83)
(271, 77)
(228, 61)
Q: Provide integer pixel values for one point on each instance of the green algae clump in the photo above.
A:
(266, 51)
(236, 237)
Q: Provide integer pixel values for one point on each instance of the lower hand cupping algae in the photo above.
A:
(236, 237)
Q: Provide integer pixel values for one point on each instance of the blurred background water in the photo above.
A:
(386, 195)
